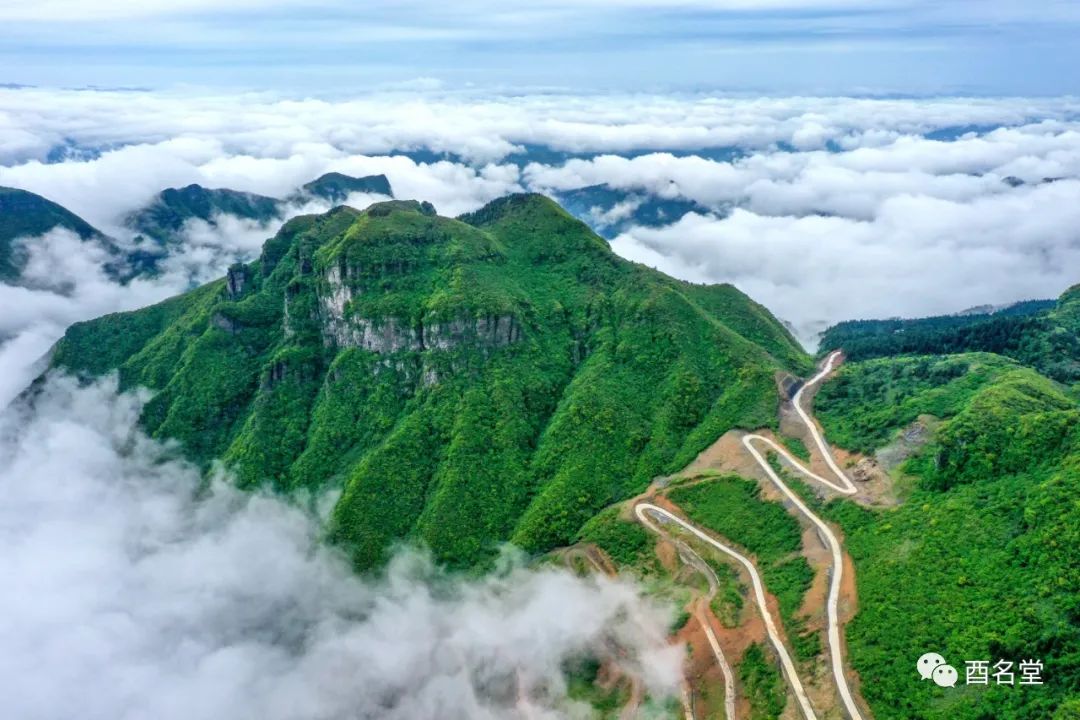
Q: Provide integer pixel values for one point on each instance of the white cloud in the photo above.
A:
(134, 596)
(65, 281)
(157, 605)
(615, 214)
(105, 189)
(855, 160)
(480, 127)
(853, 184)
(917, 256)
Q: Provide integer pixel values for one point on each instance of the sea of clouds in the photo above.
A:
(828, 208)
(133, 591)
(133, 595)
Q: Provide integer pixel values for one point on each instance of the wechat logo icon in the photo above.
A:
(932, 666)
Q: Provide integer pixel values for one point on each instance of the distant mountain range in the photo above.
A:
(1044, 334)
(163, 219)
(24, 214)
(610, 211)
(157, 228)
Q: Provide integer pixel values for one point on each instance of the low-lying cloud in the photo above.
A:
(132, 593)
(66, 281)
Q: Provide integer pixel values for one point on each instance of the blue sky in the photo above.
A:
(335, 46)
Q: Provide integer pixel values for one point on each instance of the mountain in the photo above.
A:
(962, 542)
(336, 188)
(610, 211)
(539, 154)
(24, 214)
(162, 220)
(158, 226)
(1041, 334)
(463, 382)
(975, 420)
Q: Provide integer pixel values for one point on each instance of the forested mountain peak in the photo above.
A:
(462, 381)
(1041, 334)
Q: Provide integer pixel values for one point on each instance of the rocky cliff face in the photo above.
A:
(386, 335)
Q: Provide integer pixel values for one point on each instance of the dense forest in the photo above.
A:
(982, 541)
(1036, 333)
(462, 382)
(504, 376)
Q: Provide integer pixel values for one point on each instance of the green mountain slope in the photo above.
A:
(1037, 333)
(162, 220)
(979, 562)
(24, 214)
(501, 376)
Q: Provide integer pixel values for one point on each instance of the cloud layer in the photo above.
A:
(134, 596)
(825, 209)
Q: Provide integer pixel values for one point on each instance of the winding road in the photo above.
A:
(845, 487)
(644, 509)
(702, 616)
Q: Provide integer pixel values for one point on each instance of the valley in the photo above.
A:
(932, 486)
(649, 514)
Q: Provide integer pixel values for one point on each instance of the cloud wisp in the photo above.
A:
(917, 256)
(136, 594)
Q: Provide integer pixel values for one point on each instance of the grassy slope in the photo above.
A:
(620, 374)
(980, 561)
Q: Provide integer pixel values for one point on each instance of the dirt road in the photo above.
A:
(844, 486)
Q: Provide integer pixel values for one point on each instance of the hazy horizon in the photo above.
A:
(771, 46)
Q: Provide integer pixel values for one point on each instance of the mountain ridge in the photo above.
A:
(158, 225)
(505, 373)
(1040, 334)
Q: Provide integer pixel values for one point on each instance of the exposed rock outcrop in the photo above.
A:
(223, 323)
(487, 331)
(236, 281)
(392, 334)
